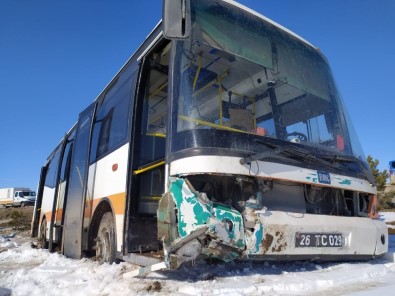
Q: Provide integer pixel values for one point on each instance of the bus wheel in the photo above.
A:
(43, 231)
(105, 240)
(22, 204)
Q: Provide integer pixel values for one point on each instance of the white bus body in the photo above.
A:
(224, 138)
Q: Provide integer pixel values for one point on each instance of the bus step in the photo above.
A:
(140, 259)
(143, 271)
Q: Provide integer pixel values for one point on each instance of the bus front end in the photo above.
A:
(263, 161)
(391, 172)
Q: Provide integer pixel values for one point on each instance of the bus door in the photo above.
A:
(59, 203)
(39, 199)
(148, 151)
(46, 194)
(73, 217)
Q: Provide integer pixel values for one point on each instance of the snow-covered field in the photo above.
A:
(387, 216)
(28, 271)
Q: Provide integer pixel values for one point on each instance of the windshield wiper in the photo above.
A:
(339, 158)
(262, 155)
(291, 150)
(302, 154)
(351, 159)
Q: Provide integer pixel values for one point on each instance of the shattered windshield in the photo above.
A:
(241, 75)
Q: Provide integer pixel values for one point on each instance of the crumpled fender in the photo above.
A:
(224, 235)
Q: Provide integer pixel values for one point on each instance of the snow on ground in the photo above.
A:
(387, 216)
(28, 271)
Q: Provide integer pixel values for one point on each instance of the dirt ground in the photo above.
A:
(15, 225)
(17, 218)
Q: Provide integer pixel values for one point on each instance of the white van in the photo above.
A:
(17, 197)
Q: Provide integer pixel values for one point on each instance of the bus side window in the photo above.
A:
(50, 183)
(110, 127)
(50, 179)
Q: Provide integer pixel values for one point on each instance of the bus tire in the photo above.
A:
(43, 232)
(105, 240)
(22, 204)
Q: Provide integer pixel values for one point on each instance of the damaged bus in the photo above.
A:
(223, 136)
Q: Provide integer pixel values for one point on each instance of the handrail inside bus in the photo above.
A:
(150, 198)
(149, 166)
(159, 135)
(221, 77)
(210, 124)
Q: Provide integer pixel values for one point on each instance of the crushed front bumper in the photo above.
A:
(191, 226)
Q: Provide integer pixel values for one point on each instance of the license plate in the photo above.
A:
(318, 240)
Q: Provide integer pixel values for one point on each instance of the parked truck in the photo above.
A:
(17, 197)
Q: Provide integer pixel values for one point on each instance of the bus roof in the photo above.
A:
(245, 8)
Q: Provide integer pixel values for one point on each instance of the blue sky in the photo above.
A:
(57, 56)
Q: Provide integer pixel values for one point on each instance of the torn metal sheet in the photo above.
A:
(227, 234)
(195, 211)
(223, 225)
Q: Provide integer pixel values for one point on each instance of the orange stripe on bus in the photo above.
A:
(58, 215)
(118, 202)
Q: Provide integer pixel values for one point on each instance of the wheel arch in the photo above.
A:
(103, 207)
(42, 232)
(42, 220)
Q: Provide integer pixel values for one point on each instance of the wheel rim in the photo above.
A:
(103, 246)
(43, 232)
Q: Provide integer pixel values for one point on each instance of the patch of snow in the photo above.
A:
(387, 216)
(28, 271)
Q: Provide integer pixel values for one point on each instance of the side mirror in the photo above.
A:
(176, 19)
